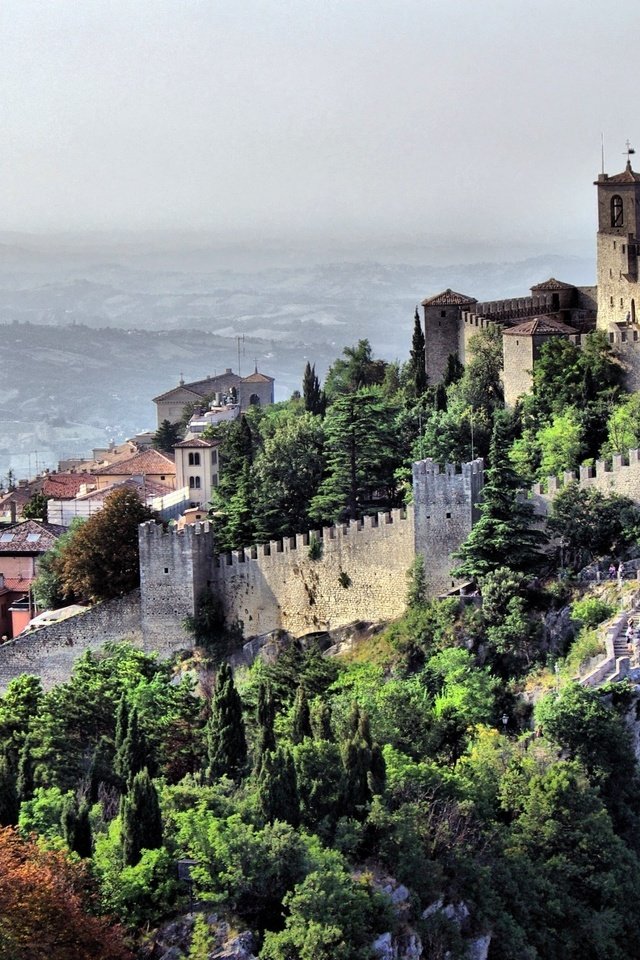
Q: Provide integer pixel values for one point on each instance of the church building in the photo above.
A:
(554, 308)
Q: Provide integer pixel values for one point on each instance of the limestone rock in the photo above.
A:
(478, 948)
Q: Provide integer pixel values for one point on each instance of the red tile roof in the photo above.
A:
(145, 462)
(553, 284)
(65, 486)
(197, 442)
(146, 488)
(539, 326)
(449, 298)
(31, 536)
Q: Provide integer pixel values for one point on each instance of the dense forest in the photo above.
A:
(444, 785)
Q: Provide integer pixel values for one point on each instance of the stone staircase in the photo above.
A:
(622, 656)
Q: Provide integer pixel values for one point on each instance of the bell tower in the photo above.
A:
(618, 247)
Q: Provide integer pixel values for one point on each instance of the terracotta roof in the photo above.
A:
(256, 377)
(18, 584)
(149, 488)
(539, 326)
(553, 284)
(627, 176)
(196, 442)
(31, 536)
(147, 461)
(448, 298)
(65, 486)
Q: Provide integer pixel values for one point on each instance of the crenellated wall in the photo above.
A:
(621, 476)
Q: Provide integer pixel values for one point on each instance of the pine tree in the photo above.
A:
(503, 536)
(278, 787)
(76, 827)
(266, 713)
(226, 741)
(166, 436)
(314, 398)
(9, 803)
(417, 361)
(134, 753)
(301, 719)
(141, 827)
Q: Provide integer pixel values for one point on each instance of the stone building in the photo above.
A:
(197, 467)
(257, 388)
(555, 308)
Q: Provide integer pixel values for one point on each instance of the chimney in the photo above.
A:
(12, 510)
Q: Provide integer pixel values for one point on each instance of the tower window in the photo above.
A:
(622, 301)
(443, 313)
(194, 483)
(624, 249)
(214, 458)
(617, 219)
(610, 301)
(194, 459)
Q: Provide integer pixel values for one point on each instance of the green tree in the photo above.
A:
(225, 733)
(133, 754)
(166, 436)
(364, 770)
(417, 359)
(301, 717)
(9, 803)
(287, 473)
(76, 827)
(278, 788)
(560, 444)
(480, 386)
(265, 715)
(25, 780)
(101, 558)
(354, 370)
(48, 588)
(590, 524)
(362, 456)
(314, 398)
(36, 507)
(503, 535)
(623, 426)
(141, 819)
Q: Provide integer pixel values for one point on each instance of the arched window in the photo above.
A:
(194, 483)
(194, 459)
(254, 400)
(617, 218)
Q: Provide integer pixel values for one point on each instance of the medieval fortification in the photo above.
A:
(326, 579)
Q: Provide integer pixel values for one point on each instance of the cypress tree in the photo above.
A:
(226, 741)
(134, 754)
(101, 769)
(278, 787)
(141, 820)
(122, 721)
(418, 358)
(322, 723)
(266, 713)
(25, 783)
(9, 803)
(301, 726)
(76, 826)
(364, 767)
(314, 397)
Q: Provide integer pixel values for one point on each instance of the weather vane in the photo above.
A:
(629, 151)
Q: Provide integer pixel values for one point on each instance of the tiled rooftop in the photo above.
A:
(145, 462)
(448, 298)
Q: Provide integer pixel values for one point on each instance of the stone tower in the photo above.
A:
(442, 323)
(618, 238)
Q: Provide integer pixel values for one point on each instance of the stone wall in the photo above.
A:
(445, 504)
(621, 476)
(50, 652)
(361, 574)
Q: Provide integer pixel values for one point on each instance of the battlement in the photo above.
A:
(302, 541)
(429, 467)
(516, 308)
(620, 475)
(150, 530)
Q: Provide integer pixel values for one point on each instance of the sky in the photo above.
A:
(301, 119)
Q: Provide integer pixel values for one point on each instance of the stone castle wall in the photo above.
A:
(621, 476)
(50, 652)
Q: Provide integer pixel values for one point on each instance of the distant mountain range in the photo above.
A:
(88, 337)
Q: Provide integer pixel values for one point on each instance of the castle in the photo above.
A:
(555, 308)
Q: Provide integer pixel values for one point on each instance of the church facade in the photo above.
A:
(554, 308)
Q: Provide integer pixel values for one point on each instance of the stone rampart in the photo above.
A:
(50, 652)
(621, 476)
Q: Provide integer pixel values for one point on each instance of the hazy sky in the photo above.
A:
(345, 118)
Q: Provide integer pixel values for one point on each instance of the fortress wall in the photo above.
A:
(50, 652)
(445, 510)
(361, 575)
(175, 571)
(515, 308)
(622, 476)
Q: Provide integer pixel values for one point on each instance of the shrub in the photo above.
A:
(591, 611)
